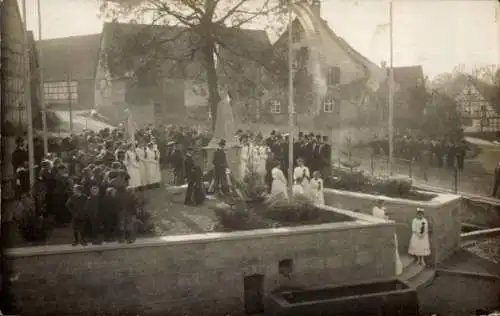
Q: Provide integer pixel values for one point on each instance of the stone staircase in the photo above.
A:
(416, 275)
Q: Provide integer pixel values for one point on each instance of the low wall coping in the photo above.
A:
(439, 200)
(172, 240)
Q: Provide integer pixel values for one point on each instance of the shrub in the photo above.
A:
(234, 217)
(297, 211)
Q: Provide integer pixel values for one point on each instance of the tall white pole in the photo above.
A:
(291, 108)
(42, 89)
(391, 94)
(27, 98)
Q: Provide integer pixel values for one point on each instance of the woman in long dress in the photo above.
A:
(301, 176)
(245, 154)
(316, 187)
(153, 165)
(132, 162)
(419, 243)
(279, 183)
(142, 154)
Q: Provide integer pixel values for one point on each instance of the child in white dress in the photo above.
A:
(301, 177)
(316, 187)
(419, 242)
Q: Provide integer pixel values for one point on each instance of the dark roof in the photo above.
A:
(408, 77)
(158, 43)
(72, 57)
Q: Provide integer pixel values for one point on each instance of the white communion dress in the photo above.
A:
(133, 169)
(317, 194)
(419, 242)
(278, 186)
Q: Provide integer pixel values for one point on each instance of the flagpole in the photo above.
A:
(291, 109)
(27, 98)
(391, 93)
(42, 89)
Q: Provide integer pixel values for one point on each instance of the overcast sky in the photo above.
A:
(435, 34)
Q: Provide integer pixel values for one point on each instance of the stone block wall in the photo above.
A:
(442, 212)
(194, 274)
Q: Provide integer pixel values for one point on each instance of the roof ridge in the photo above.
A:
(68, 37)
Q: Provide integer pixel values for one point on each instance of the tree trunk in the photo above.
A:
(212, 81)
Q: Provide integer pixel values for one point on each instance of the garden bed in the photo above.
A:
(262, 214)
(356, 181)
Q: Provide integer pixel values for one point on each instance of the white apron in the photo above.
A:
(133, 169)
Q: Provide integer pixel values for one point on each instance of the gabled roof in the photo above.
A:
(72, 57)
(408, 77)
(160, 43)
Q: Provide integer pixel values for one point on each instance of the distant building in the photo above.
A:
(154, 72)
(478, 103)
(345, 75)
(69, 66)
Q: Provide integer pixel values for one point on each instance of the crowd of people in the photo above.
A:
(91, 180)
(432, 152)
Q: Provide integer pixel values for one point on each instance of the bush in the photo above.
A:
(233, 217)
(298, 211)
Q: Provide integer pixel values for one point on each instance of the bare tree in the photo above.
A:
(213, 27)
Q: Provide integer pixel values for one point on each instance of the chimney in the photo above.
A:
(316, 7)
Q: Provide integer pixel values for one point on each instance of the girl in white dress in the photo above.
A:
(419, 242)
(244, 157)
(301, 177)
(132, 164)
(316, 187)
(152, 163)
(142, 155)
(279, 184)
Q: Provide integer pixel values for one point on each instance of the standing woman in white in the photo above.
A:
(379, 211)
(419, 243)
(132, 164)
(153, 165)
(279, 184)
(142, 154)
(301, 176)
(316, 187)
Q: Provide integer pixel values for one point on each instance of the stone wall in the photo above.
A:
(442, 212)
(195, 274)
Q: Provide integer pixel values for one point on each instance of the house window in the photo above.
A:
(329, 105)
(61, 92)
(275, 106)
(333, 76)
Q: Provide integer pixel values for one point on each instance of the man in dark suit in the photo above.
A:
(326, 157)
(219, 162)
(496, 182)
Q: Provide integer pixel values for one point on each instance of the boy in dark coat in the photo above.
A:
(127, 215)
(94, 217)
(219, 162)
(76, 204)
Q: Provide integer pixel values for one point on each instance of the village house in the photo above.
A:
(155, 73)
(478, 104)
(69, 66)
(345, 95)
(13, 109)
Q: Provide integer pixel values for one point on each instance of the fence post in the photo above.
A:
(371, 165)
(411, 168)
(455, 179)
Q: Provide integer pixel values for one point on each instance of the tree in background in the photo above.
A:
(213, 27)
(442, 117)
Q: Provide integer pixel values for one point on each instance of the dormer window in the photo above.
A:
(276, 106)
(333, 76)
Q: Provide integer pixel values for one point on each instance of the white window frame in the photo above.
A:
(275, 106)
(329, 105)
(60, 91)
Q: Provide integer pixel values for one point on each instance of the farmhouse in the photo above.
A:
(69, 71)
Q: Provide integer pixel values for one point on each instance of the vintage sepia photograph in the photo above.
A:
(250, 157)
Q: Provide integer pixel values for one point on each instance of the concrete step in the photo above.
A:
(423, 279)
(411, 272)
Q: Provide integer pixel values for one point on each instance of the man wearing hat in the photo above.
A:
(325, 156)
(220, 165)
